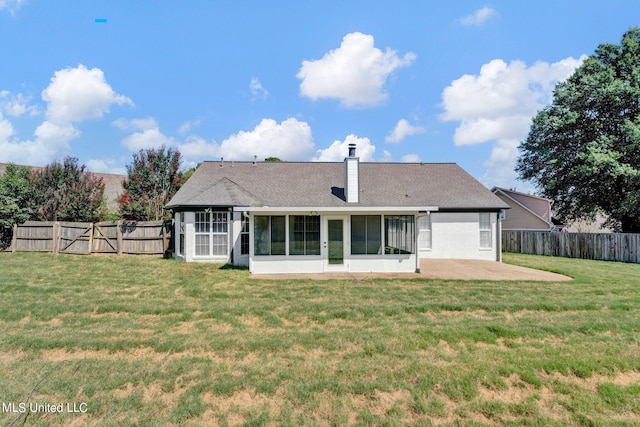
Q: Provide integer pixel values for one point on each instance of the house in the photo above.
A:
(313, 217)
(527, 212)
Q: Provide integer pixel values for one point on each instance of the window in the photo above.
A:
(485, 230)
(244, 235)
(424, 227)
(399, 234)
(269, 235)
(211, 233)
(366, 235)
(202, 227)
(304, 235)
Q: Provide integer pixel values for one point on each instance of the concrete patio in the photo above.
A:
(448, 269)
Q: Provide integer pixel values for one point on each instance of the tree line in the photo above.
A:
(66, 191)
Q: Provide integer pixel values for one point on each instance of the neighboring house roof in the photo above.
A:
(528, 212)
(112, 184)
(588, 226)
(321, 184)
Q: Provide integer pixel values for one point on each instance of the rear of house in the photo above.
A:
(313, 217)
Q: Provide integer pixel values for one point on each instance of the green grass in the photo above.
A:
(146, 341)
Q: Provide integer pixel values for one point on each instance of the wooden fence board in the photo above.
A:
(116, 237)
(601, 246)
(35, 236)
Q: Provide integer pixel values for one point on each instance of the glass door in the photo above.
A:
(334, 244)
(335, 241)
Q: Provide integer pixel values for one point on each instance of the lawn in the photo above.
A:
(145, 341)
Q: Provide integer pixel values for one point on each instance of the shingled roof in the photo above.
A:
(318, 184)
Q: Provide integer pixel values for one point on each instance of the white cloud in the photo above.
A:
(196, 148)
(355, 72)
(147, 134)
(50, 142)
(501, 93)
(16, 105)
(498, 105)
(479, 17)
(136, 124)
(56, 134)
(74, 95)
(289, 140)
(500, 165)
(337, 151)
(77, 94)
(6, 129)
(403, 130)
(147, 138)
(11, 5)
(188, 125)
(257, 90)
(410, 158)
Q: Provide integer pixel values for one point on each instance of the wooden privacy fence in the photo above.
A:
(111, 237)
(601, 246)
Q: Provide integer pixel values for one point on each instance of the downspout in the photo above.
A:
(498, 238)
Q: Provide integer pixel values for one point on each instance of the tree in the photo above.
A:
(66, 192)
(153, 178)
(15, 198)
(188, 173)
(583, 150)
(272, 159)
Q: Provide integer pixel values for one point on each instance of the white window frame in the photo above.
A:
(311, 225)
(211, 233)
(269, 237)
(244, 234)
(425, 241)
(484, 223)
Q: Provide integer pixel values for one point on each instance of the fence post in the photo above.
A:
(90, 251)
(14, 238)
(55, 236)
(119, 236)
(165, 236)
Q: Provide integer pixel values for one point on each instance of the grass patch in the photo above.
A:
(146, 341)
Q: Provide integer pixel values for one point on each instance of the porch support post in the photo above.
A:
(416, 232)
(498, 238)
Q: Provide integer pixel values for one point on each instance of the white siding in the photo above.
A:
(189, 245)
(456, 235)
(351, 180)
(236, 228)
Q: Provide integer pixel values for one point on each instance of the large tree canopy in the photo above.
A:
(65, 192)
(15, 199)
(153, 178)
(583, 150)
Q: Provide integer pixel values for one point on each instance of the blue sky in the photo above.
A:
(405, 81)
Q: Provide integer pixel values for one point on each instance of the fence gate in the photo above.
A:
(75, 237)
(105, 237)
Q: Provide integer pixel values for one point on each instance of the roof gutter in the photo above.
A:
(334, 208)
